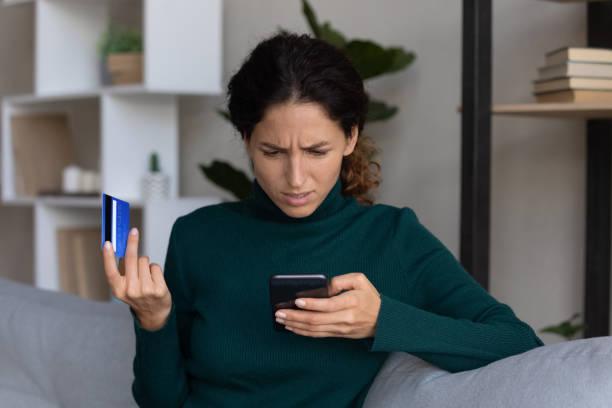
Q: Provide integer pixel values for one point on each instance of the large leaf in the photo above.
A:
(370, 59)
(333, 37)
(311, 18)
(324, 32)
(400, 58)
(228, 178)
(566, 329)
(378, 110)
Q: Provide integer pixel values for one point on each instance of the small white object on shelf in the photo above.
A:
(71, 179)
(88, 181)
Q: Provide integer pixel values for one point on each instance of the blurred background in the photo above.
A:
(538, 166)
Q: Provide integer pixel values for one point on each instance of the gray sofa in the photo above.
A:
(57, 350)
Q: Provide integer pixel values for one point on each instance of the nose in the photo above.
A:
(295, 171)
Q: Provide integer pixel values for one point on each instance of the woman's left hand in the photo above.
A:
(351, 314)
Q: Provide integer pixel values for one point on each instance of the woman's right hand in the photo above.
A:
(141, 286)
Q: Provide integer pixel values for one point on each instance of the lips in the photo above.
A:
(297, 199)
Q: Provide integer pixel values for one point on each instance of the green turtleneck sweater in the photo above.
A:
(218, 347)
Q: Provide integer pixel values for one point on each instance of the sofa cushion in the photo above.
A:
(23, 399)
(568, 374)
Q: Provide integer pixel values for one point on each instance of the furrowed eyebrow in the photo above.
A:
(314, 146)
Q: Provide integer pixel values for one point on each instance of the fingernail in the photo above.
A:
(107, 245)
(300, 303)
(134, 231)
(281, 315)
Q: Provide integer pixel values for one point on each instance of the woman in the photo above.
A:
(203, 328)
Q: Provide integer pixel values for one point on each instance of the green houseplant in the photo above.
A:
(120, 50)
(568, 329)
(369, 58)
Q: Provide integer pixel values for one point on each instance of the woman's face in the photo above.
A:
(296, 148)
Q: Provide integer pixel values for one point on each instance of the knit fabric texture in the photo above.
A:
(218, 347)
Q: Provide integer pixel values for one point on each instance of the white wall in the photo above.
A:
(538, 165)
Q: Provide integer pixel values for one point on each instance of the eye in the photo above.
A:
(317, 152)
(270, 153)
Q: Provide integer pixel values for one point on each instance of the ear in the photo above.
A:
(352, 142)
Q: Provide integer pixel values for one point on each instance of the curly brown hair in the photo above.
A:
(297, 67)
(358, 178)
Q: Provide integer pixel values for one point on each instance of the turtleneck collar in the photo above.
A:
(263, 207)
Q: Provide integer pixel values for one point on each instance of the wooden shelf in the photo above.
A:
(570, 110)
(574, 1)
(79, 202)
(554, 110)
(134, 89)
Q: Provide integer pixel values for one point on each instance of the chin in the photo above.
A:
(298, 212)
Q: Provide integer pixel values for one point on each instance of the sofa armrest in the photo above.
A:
(63, 349)
(568, 374)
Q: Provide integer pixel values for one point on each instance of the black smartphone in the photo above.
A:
(284, 289)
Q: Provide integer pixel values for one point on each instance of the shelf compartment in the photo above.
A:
(47, 220)
(153, 219)
(113, 134)
(134, 126)
(68, 32)
(84, 141)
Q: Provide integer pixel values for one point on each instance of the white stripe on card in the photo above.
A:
(114, 226)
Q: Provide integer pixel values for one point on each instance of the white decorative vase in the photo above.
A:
(155, 186)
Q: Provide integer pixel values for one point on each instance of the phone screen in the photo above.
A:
(284, 289)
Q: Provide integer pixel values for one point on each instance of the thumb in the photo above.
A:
(347, 281)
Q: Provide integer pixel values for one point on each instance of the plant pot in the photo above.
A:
(105, 78)
(125, 68)
(155, 186)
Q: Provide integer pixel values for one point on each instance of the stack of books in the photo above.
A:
(574, 74)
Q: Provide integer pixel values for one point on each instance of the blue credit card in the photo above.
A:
(115, 223)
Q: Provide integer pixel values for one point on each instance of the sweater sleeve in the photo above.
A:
(460, 326)
(160, 378)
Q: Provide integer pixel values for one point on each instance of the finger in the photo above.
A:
(318, 318)
(131, 259)
(336, 329)
(110, 266)
(144, 273)
(348, 281)
(311, 333)
(342, 301)
(157, 275)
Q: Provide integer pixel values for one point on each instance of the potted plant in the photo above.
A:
(121, 56)
(155, 184)
(568, 329)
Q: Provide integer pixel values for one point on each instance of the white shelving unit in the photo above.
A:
(114, 128)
